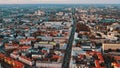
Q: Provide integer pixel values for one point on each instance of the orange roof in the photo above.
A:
(18, 64)
(116, 64)
(100, 57)
(28, 39)
(2, 55)
(55, 57)
(23, 40)
(91, 52)
(97, 64)
(81, 56)
(24, 47)
(32, 39)
(7, 45)
(117, 57)
(10, 60)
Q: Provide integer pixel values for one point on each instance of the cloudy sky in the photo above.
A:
(60, 1)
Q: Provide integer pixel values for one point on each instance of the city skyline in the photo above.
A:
(59, 34)
(60, 2)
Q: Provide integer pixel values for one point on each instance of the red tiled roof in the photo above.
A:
(28, 39)
(97, 64)
(116, 64)
(18, 64)
(100, 56)
(14, 63)
(2, 55)
(117, 57)
(56, 57)
(8, 44)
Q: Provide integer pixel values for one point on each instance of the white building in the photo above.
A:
(26, 60)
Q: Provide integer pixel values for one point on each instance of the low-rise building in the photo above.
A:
(26, 60)
(112, 46)
(11, 46)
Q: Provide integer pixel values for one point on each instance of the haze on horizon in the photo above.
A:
(59, 1)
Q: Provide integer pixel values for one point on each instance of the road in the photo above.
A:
(67, 56)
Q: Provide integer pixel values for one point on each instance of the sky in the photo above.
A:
(59, 1)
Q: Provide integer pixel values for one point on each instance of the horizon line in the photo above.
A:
(59, 3)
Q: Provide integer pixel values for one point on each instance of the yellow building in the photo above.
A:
(106, 46)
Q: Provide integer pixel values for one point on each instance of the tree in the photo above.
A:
(118, 50)
(109, 50)
(78, 27)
